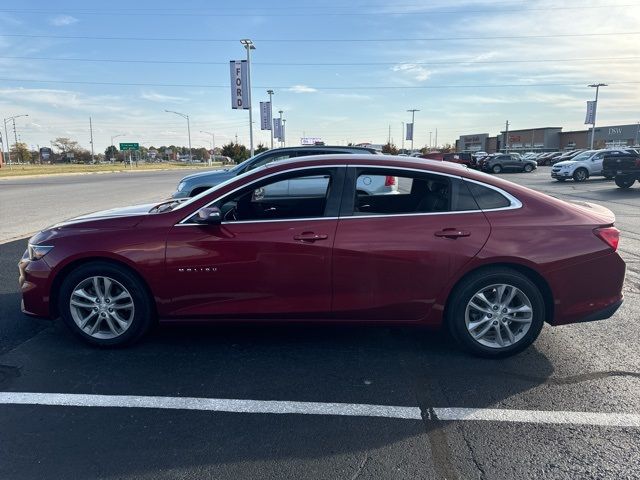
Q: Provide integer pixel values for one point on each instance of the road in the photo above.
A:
(578, 368)
(31, 203)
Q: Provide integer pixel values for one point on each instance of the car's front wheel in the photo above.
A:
(580, 175)
(105, 304)
(528, 168)
(497, 169)
(496, 312)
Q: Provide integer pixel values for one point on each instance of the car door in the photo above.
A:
(595, 164)
(269, 258)
(393, 254)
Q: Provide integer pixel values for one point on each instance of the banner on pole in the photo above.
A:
(409, 131)
(591, 113)
(265, 115)
(277, 128)
(239, 84)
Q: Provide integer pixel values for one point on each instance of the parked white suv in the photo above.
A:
(582, 166)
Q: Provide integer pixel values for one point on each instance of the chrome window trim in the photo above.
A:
(515, 203)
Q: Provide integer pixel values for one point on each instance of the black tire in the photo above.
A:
(561, 179)
(624, 182)
(609, 177)
(143, 313)
(467, 288)
(528, 168)
(580, 175)
(496, 169)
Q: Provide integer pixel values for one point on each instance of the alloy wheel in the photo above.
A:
(102, 307)
(498, 316)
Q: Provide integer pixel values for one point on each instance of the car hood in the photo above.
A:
(566, 163)
(133, 213)
(208, 173)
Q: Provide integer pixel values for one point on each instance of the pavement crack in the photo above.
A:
(360, 469)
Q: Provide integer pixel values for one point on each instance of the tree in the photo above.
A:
(111, 152)
(261, 148)
(65, 144)
(235, 151)
(447, 148)
(20, 152)
(390, 149)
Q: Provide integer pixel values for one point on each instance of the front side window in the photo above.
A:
(301, 195)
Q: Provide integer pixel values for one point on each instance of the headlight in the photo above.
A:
(36, 252)
(181, 186)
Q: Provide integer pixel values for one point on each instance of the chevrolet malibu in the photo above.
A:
(489, 260)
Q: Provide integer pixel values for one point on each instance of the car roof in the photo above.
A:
(337, 148)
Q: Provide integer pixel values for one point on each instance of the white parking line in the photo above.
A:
(320, 408)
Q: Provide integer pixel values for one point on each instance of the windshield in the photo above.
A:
(583, 156)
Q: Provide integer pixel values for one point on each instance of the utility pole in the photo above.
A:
(270, 92)
(506, 138)
(93, 160)
(593, 125)
(413, 125)
(281, 128)
(429, 140)
(389, 137)
(436, 142)
(248, 44)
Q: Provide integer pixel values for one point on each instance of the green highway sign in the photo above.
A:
(129, 146)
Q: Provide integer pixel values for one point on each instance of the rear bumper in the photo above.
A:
(603, 314)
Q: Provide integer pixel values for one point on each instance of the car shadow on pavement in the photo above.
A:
(402, 366)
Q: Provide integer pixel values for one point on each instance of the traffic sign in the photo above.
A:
(129, 146)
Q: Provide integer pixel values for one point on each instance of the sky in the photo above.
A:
(341, 71)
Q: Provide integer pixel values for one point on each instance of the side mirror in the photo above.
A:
(209, 216)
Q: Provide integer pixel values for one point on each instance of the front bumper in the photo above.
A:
(34, 286)
(180, 194)
(561, 174)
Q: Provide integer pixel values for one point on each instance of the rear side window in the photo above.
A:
(488, 198)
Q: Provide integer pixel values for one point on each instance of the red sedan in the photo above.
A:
(297, 241)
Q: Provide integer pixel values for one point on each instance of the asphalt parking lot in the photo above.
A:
(329, 373)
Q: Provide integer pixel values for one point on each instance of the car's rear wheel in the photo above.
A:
(496, 312)
(497, 169)
(624, 182)
(105, 304)
(528, 168)
(580, 175)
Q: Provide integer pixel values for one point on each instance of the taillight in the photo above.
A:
(609, 235)
(389, 181)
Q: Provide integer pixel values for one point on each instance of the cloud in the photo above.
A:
(418, 72)
(159, 97)
(62, 20)
(66, 99)
(302, 89)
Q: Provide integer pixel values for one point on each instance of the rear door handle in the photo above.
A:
(452, 233)
(310, 237)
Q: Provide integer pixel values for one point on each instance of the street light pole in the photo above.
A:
(184, 115)
(248, 44)
(284, 133)
(280, 112)
(213, 143)
(595, 110)
(270, 92)
(402, 137)
(413, 125)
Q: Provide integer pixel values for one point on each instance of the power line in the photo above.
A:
(292, 87)
(317, 40)
(319, 13)
(314, 64)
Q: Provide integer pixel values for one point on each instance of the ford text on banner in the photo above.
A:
(265, 115)
(239, 91)
(277, 128)
(409, 131)
(591, 113)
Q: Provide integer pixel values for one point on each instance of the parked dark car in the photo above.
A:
(625, 168)
(454, 248)
(508, 163)
(194, 184)
(463, 158)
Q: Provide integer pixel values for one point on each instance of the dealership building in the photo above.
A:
(548, 139)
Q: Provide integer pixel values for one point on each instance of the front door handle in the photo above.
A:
(310, 237)
(452, 233)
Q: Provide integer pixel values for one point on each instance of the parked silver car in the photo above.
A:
(582, 166)
(196, 183)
